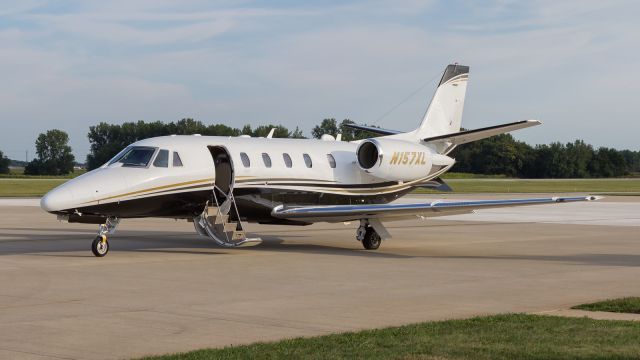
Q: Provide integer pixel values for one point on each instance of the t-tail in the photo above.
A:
(440, 127)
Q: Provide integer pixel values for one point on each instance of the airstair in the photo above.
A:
(216, 221)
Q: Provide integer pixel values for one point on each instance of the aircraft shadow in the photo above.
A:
(77, 244)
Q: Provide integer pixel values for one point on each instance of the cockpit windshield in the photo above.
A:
(134, 156)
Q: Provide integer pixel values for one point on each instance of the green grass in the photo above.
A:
(624, 305)
(18, 173)
(515, 336)
(626, 185)
(27, 187)
(457, 175)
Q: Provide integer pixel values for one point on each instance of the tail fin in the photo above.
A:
(444, 115)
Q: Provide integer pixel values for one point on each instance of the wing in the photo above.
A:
(389, 212)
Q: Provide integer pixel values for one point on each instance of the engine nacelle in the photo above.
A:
(397, 160)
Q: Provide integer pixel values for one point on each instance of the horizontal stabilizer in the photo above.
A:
(464, 137)
(373, 129)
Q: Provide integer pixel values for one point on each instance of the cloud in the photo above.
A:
(568, 63)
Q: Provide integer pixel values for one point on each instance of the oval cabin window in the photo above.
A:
(307, 160)
(287, 160)
(266, 159)
(245, 159)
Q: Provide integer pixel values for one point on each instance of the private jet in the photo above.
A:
(222, 183)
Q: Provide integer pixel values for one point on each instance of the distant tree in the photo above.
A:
(54, 155)
(632, 159)
(578, 157)
(331, 127)
(328, 126)
(607, 163)
(500, 154)
(106, 140)
(351, 134)
(263, 130)
(246, 130)
(4, 163)
(297, 134)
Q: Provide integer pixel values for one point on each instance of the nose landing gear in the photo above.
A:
(100, 244)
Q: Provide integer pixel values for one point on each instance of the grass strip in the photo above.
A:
(511, 336)
(27, 187)
(630, 305)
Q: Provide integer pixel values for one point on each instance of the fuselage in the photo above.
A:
(263, 173)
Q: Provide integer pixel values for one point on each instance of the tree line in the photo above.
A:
(498, 155)
(503, 155)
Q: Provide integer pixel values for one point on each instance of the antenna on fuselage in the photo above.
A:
(273, 130)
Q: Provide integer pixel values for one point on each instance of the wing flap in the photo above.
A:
(338, 213)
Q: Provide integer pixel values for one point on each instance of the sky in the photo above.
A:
(72, 64)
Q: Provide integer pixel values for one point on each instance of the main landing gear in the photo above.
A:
(100, 244)
(368, 236)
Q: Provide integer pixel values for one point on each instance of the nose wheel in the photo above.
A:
(100, 246)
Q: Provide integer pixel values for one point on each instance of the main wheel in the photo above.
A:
(371, 239)
(100, 246)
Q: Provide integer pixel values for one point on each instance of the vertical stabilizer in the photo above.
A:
(444, 115)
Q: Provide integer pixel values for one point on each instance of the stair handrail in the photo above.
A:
(215, 198)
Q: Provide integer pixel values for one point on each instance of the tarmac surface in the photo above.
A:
(163, 289)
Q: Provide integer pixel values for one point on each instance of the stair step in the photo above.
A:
(225, 227)
(218, 219)
(238, 235)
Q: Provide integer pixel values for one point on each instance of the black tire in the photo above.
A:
(371, 239)
(98, 247)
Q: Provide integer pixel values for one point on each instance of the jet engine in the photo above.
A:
(398, 160)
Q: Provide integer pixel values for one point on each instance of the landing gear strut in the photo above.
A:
(100, 244)
(368, 236)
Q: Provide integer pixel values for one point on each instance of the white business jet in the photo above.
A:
(220, 183)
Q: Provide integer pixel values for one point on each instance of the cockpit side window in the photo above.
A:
(177, 162)
(162, 159)
(119, 156)
(135, 156)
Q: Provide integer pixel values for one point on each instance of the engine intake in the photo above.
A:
(368, 154)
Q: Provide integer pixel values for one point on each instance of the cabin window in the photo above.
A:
(177, 162)
(136, 156)
(266, 159)
(287, 160)
(307, 160)
(162, 159)
(332, 161)
(245, 159)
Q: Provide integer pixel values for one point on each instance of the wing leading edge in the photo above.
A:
(339, 213)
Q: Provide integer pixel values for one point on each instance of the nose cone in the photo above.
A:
(56, 200)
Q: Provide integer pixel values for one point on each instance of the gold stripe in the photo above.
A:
(156, 188)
